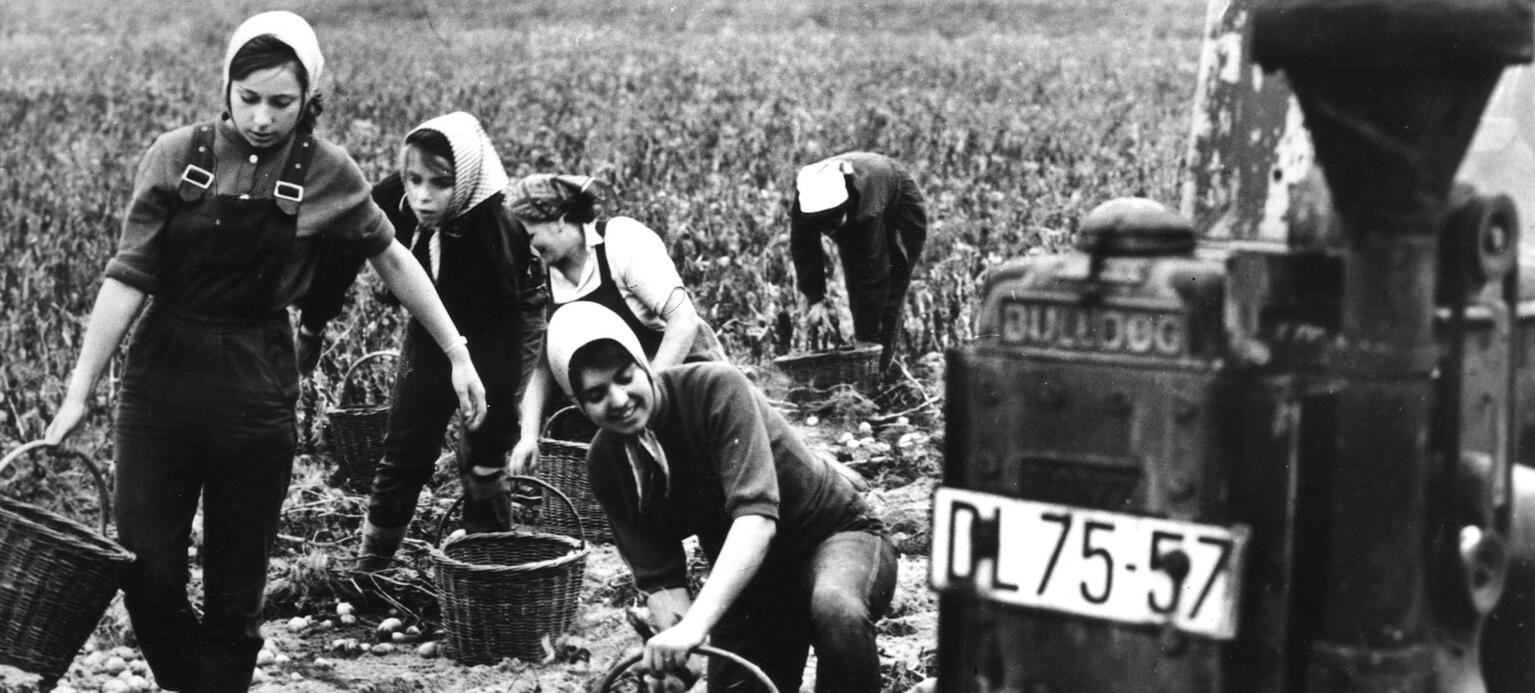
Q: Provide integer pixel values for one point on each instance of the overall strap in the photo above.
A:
(197, 178)
(289, 191)
(604, 273)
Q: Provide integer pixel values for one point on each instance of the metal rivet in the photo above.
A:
(202, 149)
(254, 159)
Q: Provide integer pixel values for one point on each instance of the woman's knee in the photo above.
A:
(839, 611)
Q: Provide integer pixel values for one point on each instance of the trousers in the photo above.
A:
(831, 601)
(206, 414)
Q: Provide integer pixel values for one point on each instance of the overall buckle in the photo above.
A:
(288, 191)
(197, 176)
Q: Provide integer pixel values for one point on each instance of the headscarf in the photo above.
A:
(821, 186)
(579, 323)
(547, 197)
(287, 27)
(477, 170)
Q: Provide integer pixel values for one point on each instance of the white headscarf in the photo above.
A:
(477, 169)
(579, 323)
(821, 186)
(287, 27)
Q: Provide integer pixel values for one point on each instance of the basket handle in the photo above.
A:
(442, 525)
(101, 482)
(346, 379)
(623, 665)
(561, 413)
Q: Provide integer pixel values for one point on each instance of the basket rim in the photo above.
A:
(78, 536)
(844, 353)
(369, 408)
(578, 551)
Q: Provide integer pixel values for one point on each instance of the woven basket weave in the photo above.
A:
(856, 366)
(562, 463)
(502, 593)
(355, 431)
(57, 577)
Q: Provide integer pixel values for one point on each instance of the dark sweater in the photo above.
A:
(731, 454)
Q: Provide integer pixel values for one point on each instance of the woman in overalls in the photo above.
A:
(221, 230)
(618, 263)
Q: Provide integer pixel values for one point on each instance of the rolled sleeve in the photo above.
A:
(339, 201)
(640, 264)
(137, 261)
(741, 449)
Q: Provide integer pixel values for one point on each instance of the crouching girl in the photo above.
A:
(798, 558)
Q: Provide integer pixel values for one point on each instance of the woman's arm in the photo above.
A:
(117, 304)
(530, 416)
(682, 325)
(738, 562)
(405, 277)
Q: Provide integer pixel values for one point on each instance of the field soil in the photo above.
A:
(311, 647)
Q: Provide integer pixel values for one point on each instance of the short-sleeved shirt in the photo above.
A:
(730, 454)
(336, 202)
(641, 268)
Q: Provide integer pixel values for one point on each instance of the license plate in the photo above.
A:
(1092, 563)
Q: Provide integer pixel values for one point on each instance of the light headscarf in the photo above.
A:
(477, 169)
(579, 323)
(287, 27)
(821, 186)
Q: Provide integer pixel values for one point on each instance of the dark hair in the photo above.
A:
(265, 52)
(432, 142)
(600, 354)
(583, 209)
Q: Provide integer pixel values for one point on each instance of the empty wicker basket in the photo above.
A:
(562, 462)
(502, 593)
(856, 366)
(355, 431)
(57, 577)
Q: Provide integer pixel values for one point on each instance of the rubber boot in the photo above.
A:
(378, 547)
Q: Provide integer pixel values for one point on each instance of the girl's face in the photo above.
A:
(555, 241)
(429, 181)
(616, 399)
(265, 105)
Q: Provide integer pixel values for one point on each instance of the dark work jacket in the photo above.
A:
(489, 280)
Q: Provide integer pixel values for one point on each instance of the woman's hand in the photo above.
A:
(68, 418)
(524, 457)
(470, 391)
(669, 650)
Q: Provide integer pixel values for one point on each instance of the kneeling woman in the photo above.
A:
(798, 558)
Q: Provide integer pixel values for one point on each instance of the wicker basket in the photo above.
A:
(57, 577)
(355, 432)
(562, 463)
(856, 366)
(502, 593)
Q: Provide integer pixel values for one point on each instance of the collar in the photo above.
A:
(241, 148)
